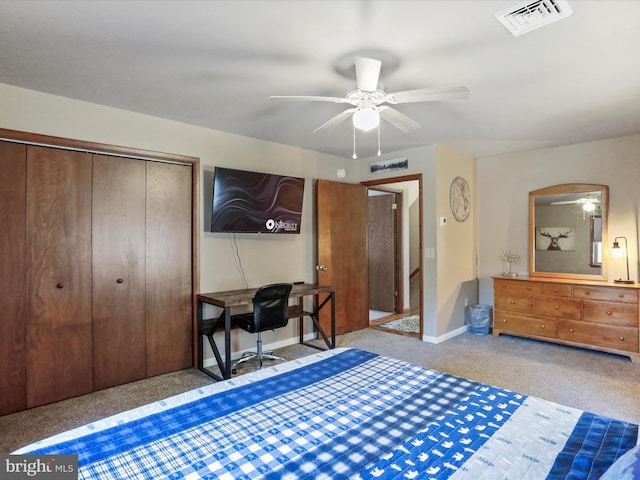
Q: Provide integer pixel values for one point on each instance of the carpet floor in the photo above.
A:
(594, 381)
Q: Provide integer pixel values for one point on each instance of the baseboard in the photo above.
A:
(211, 362)
(446, 336)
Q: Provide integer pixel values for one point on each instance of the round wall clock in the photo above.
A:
(460, 199)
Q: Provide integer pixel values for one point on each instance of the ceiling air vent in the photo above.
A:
(529, 15)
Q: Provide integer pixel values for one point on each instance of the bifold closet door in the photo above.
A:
(13, 169)
(169, 288)
(119, 352)
(58, 271)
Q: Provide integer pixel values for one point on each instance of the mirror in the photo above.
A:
(568, 231)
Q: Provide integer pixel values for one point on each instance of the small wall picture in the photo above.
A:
(390, 165)
(555, 238)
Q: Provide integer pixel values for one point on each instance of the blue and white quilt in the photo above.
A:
(347, 413)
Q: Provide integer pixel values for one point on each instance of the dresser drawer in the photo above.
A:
(500, 285)
(606, 293)
(513, 302)
(509, 322)
(556, 289)
(610, 313)
(621, 338)
(557, 307)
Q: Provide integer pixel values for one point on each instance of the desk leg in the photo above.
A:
(226, 373)
(200, 340)
(301, 321)
(333, 320)
(316, 322)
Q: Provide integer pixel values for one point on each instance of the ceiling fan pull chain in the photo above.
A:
(354, 143)
(379, 153)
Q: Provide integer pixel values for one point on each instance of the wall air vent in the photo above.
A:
(529, 15)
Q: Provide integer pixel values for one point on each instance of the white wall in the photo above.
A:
(504, 183)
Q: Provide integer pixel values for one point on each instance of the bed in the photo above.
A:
(349, 413)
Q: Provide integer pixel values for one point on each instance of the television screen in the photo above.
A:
(254, 202)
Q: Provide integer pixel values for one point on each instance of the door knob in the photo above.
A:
(321, 267)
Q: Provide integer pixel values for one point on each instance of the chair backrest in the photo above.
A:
(271, 306)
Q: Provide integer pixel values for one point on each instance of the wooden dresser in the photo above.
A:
(594, 315)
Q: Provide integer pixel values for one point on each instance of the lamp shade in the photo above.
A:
(366, 118)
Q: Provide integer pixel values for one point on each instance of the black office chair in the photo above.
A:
(270, 311)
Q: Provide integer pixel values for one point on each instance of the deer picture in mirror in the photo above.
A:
(568, 231)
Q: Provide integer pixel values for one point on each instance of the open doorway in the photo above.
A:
(395, 254)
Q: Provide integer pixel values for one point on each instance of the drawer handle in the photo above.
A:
(60, 285)
(608, 313)
(513, 302)
(621, 338)
(119, 280)
(556, 307)
(571, 330)
(621, 295)
(528, 287)
(504, 320)
(556, 290)
(587, 292)
(542, 326)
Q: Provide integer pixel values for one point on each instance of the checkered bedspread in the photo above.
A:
(346, 413)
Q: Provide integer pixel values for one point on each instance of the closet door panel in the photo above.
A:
(118, 271)
(13, 168)
(169, 289)
(58, 253)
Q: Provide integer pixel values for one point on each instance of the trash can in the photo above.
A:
(478, 317)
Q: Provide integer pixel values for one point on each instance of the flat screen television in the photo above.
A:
(254, 202)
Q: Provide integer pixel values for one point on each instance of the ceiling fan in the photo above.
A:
(588, 203)
(369, 103)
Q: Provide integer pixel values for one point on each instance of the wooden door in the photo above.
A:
(119, 352)
(381, 251)
(341, 250)
(58, 255)
(13, 169)
(168, 259)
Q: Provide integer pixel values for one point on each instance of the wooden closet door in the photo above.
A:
(58, 327)
(169, 288)
(13, 169)
(119, 353)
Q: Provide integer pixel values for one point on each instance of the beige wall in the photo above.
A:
(264, 258)
(504, 183)
(449, 278)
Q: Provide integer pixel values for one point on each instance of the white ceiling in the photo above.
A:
(214, 63)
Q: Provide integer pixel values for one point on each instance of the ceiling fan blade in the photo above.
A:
(367, 73)
(398, 119)
(428, 95)
(308, 98)
(576, 201)
(341, 117)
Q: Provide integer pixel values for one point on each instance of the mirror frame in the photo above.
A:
(569, 188)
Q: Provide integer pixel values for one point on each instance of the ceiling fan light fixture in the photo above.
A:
(366, 118)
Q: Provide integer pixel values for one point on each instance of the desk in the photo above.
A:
(234, 298)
